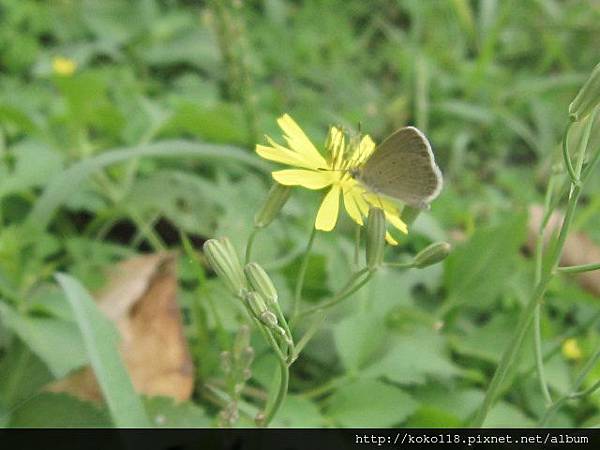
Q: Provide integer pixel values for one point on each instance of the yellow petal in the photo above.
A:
(363, 206)
(328, 212)
(299, 142)
(389, 239)
(350, 203)
(396, 222)
(364, 149)
(337, 146)
(282, 155)
(309, 179)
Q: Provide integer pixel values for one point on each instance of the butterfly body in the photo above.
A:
(402, 167)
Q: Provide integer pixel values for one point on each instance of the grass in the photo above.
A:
(148, 144)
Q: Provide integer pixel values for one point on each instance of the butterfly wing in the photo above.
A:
(403, 167)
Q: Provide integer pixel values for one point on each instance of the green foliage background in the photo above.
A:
(489, 81)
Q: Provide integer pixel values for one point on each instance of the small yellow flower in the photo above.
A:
(315, 171)
(63, 66)
(571, 349)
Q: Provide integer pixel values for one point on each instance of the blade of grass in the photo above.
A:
(100, 340)
(61, 187)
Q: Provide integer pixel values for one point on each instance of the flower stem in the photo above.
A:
(284, 378)
(308, 335)
(539, 358)
(528, 313)
(567, 158)
(553, 408)
(351, 287)
(539, 266)
(357, 246)
(302, 274)
(250, 243)
(579, 269)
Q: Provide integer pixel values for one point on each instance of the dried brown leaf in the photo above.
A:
(140, 297)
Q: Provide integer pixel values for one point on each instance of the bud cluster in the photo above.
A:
(236, 364)
(252, 284)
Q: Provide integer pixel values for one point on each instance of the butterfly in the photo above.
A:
(402, 167)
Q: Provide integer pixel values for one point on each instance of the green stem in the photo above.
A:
(400, 265)
(539, 358)
(302, 274)
(511, 350)
(558, 342)
(342, 295)
(586, 392)
(281, 319)
(528, 313)
(281, 393)
(306, 337)
(550, 411)
(325, 388)
(567, 158)
(580, 268)
(357, 246)
(250, 243)
(539, 265)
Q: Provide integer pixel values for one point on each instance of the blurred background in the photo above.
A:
(488, 81)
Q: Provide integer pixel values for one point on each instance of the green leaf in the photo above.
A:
(22, 374)
(35, 164)
(298, 412)
(370, 403)
(50, 410)
(431, 416)
(359, 339)
(505, 415)
(413, 358)
(100, 339)
(54, 341)
(440, 401)
(477, 271)
(166, 413)
(487, 341)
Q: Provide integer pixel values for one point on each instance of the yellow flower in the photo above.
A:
(571, 349)
(333, 171)
(63, 66)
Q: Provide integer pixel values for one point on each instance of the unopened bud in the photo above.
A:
(226, 363)
(259, 419)
(256, 303)
(246, 357)
(276, 198)
(587, 98)
(432, 254)
(242, 341)
(260, 310)
(375, 237)
(223, 259)
(261, 282)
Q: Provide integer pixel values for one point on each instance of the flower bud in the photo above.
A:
(432, 254)
(260, 310)
(276, 198)
(246, 357)
(375, 237)
(261, 282)
(587, 98)
(224, 261)
(242, 341)
(226, 362)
